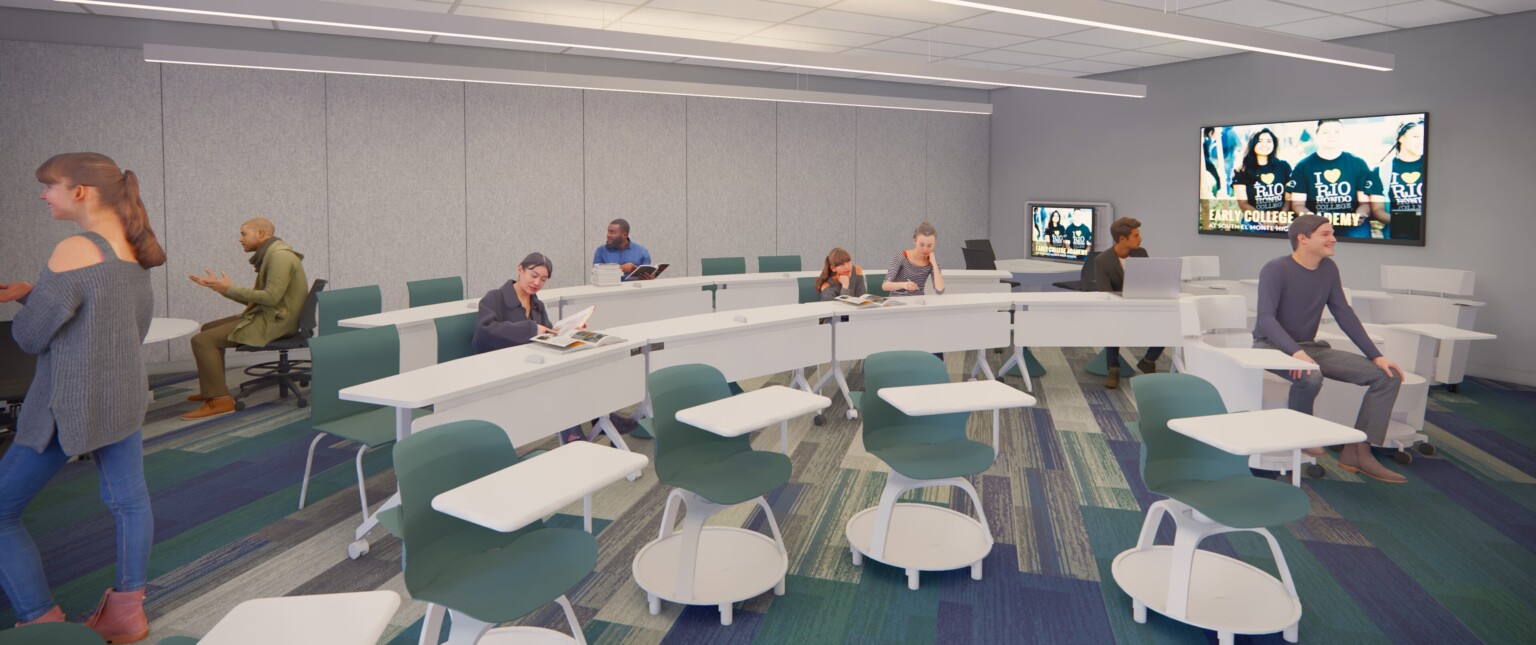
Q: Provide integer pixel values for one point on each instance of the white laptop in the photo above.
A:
(1152, 278)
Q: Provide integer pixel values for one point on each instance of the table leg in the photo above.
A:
(996, 424)
(1296, 468)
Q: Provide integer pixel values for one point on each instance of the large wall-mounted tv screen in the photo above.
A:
(1061, 231)
(1366, 174)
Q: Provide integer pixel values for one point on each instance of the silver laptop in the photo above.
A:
(1153, 278)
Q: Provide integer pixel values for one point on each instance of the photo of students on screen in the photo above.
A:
(1335, 184)
(1403, 175)
(1260, 179)
(1056, 233)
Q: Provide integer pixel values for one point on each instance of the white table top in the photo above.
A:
(1252, 433)
(535, 488)
(1265, 359)
(443, 381)
(724, 321)
(413, 315)
(1025, 265)
(946, 398)
(1367, 294)
(163, 329)
(328, 619)
(738, 415)
(1442, 332)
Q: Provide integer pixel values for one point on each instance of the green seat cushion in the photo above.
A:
(50, 634)
(373, 428)
(723, 473)
(502, 583)
(1242, 502)
(178, 640)
(908, 449)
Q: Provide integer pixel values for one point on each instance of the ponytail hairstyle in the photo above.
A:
(833, 260)
(116, 189)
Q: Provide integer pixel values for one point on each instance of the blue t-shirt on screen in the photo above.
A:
(632, 254)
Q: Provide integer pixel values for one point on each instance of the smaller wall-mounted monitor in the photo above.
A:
(1061, 231)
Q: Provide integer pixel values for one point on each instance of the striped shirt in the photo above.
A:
(902, 270)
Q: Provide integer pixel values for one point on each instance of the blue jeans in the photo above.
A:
(23, 473)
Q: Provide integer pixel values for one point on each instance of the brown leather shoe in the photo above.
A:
(55, 615)
(217, 406)
(1146, 366)
(1113, 380)
(197, 398)
(120, 617)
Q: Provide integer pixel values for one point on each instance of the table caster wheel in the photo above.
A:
(820, 419)
(239, 405)
(1316, 471)
(303, 403)
(1425, 449)
(853, 414)
(357, 549)
(1403, 457)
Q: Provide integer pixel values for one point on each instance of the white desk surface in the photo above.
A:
(328, 619)
(413, 315)
(723, 321)
(163, 329)
(1253, 433)
(1265, 359)
(946, 398)
(1024, 265)
(535, 488)
(741, 414)
(638, 286)
(1367, 294)
(1442, 332)
(444, 381)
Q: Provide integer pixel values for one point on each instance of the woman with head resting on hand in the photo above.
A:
(910, 269)
(840, 276)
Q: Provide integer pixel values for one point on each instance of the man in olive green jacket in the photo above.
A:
(271, 312)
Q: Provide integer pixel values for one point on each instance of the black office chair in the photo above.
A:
(982, 259)
(1084, 281)
(16, 370)
(283, 373)
(985, 245)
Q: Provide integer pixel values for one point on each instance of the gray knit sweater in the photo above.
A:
(86, 326)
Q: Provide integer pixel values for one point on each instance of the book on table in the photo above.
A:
(646, 271)
(570, 335)
(869, 300)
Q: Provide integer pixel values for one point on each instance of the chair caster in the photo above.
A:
(1426, 449)
(357, 549)
(1403, 457)
(239, 405)
(303, 403)
(820, 419)
(853, 414)
(1316, 471)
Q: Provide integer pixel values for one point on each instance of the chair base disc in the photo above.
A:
(923, 537)
(733, 564)
(525, 636)
(1226, 595)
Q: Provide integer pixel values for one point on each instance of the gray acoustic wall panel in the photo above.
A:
(524, 180)
(730, 180)
(63, 98)
(816, 175)
(636, 159)
(396, 169)
(959, 201)
(239, 144)
(892, 184)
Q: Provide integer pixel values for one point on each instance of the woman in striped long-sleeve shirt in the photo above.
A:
(910, 269)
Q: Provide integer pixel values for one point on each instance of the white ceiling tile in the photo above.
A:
(1046, 71)
(808, 3)
(349, 31)
(863, 23)
(1184, 49)
(925, 47)
(1330, 27)
(1017, 59)
(603, 53)
(46, 5)
(790, 44)
(901, 56)
(1418, 14)
(1253, 13)
(1060, 48)
(1088, 66)
(1112, 38)
(525, 16)
(920, 10)
(721, 63)
(499, 44)
(749, 9)
(1138, 58)
(151, 14)
(1346, 6)
(1022, 25)
(1169, 6)
(573, 8)
(698, 21)
(816, 35)
(658, 30)
(981, 64)
(1501, 6)
(409, 5)
(973, 37)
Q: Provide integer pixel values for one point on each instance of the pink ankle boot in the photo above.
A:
(54, 615)
(120, 617)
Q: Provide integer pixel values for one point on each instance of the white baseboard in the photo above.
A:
(1523, 377)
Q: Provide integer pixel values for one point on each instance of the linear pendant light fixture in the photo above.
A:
(333, 14)
(177, 54)
(1095, 13)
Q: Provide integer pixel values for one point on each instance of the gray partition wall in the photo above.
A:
(385, 180)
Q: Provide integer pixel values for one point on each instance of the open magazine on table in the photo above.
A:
(646, 271)
(869, 300)
(569, 334)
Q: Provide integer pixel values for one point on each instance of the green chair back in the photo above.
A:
(436, 461)
(177, 640)
(778, 263)
(341, 304)
(341, 361)
(724, 266)
(678, 388)
(455, 336)
(435, 290)
(874, 284)
(1168, 456)
(808, 292)
(901, 369)
(50, 634)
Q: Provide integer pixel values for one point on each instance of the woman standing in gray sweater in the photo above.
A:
(85, 320)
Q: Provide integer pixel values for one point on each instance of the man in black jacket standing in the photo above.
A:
(1109, 274)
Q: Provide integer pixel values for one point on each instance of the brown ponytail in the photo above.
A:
(117, 189)
(833, 259)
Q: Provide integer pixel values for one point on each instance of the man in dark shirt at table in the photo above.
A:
(1109, 274)
(1292, 292)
